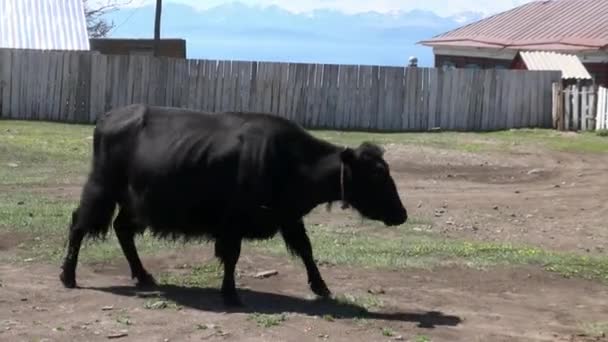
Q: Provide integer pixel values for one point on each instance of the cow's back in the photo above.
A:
(190, 172)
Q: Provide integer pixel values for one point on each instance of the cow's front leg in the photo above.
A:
(228, 251)
(298, 243)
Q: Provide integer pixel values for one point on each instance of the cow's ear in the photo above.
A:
(347, 156)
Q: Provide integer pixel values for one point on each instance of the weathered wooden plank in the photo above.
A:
(15, 80)
(283, 88)
(584, 107)
(301, 78)
(332, 92)
(346, 95)
(456, 96)
(315, 95)
(507, 90)
(443, 110)
(409, 97)
(5, 82)
(568, 108)
(475, 116)
(592, 107)
(227, 87)
(196, 90)
(429, 83)
(364, 96)
(432, 98)
(576, 109)
(83, 94)
(554, 99)
(382, 99)
(393, 93)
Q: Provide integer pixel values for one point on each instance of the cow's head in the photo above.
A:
(369, 187)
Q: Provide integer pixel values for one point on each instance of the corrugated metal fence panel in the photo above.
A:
(43, 24)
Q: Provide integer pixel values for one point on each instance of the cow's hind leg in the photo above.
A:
(93, 216)
(298, 243)
(228, 251)
(125, 228)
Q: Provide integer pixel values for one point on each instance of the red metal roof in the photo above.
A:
(544, 24)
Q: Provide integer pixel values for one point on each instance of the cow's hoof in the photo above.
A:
(68, 281)
(146, 281)
(320, 289)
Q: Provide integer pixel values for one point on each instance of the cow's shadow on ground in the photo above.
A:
(208, 299)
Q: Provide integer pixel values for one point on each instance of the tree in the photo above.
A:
(94, 12)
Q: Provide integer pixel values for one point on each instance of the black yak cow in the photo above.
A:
(224, 177)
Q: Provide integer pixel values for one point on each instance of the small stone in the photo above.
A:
(266, 274)
(119, 334)
(419, 204)
(24, 299)
(529, 216)
(535, 171)
(159, 305)
(20, 203)
(108, 308)
(495, 207)
(12, 165)
(450, 223)
(376, 290)
(28, 260)
(557, 186)
(517, 192)
(399, 338)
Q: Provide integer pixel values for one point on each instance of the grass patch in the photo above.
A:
(388, 332)
(422, 338)
(267, 320)
(602, 133)
(36, 153)
(365, 302)
(479, 142)
(209, 275)
(44, 222)
(598, 329)
(427, 251)
(50, 154)
(161, 304)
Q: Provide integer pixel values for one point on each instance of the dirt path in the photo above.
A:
(546, 199)
(444, 305)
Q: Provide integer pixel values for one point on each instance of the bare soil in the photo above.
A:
(554, 200)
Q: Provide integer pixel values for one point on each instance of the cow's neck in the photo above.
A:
(324, 180)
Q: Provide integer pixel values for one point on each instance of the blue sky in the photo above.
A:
(380, 32)
(441, 7)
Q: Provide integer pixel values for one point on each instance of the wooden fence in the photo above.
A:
(77, 87)
(602, 109)
(574, 107)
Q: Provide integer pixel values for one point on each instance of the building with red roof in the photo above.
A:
(578, 27)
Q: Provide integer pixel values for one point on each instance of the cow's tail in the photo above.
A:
(98, 200)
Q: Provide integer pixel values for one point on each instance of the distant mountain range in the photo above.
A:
(241, 32)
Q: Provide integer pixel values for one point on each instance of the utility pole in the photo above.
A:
(159, 5)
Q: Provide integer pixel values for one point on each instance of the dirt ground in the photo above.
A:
(554, 200)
